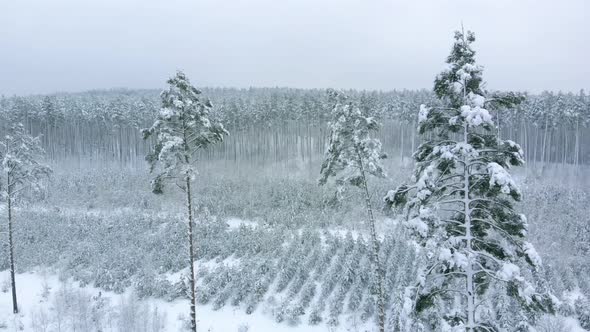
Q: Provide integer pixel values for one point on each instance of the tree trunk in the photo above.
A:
(565, 148)
(467, 214)
(11, 246)
(498, 126)
(413, 138)
(577, 145)
(375, 254)
(535, 147)
(525, 141)
(191, 255)
(544, 142)
(469, 269)
(401, 145)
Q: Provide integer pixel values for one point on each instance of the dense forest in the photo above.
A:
(271, 125)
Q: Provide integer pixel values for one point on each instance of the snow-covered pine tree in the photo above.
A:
(183, 127)
(582, 306)
(20, 156)
(351, 157)
(459, 206)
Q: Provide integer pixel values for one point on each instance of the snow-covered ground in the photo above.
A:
(44, 307)
(236, 223)
(48, 304)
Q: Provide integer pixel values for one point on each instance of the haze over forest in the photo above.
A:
(70, 45)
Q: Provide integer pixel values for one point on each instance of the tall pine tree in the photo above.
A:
(351, 157)
(182, 129)
(20, 168)
(460, 204)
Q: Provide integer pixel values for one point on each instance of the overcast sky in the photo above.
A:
(72, 45)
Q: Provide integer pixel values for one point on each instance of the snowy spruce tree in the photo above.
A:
(459, 205)
(20, 167)
(183, 128)
(352, 157)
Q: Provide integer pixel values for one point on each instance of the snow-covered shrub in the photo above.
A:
(307, 293)
(222, 297)
(315, 316)
(582, 306)
(146, 283)
(4, 285)
(75, 309)
(549, 323)
(133, 316)
(40, 320)
(368, 308)
(356, 296)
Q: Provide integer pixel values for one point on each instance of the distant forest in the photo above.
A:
(274, 125)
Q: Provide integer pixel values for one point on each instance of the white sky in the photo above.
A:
(73, 45)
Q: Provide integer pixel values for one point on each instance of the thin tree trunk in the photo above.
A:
(498, 132)
(401, 145)
(375, 254)
(11, 246)
(536, 147)
(525, 141)
(549, 150)
(191, 255)
(577, 145)
(565, 148)
(468, 237)
(469, 269)
(544, 142)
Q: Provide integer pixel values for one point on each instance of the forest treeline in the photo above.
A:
(273, 125)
